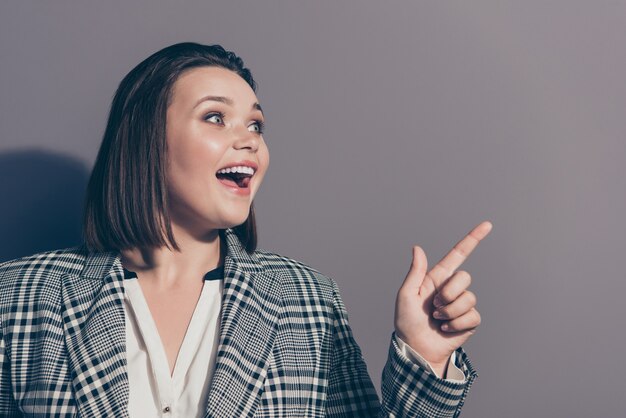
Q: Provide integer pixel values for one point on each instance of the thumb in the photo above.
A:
(417, 272)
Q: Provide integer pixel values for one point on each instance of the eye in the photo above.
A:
(258, 126)
(215, 117)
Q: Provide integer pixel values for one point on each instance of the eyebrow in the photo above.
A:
(226, 100)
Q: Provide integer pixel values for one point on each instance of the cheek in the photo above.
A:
(264, 157)
(196, 157)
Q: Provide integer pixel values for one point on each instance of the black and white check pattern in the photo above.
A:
(286, 348)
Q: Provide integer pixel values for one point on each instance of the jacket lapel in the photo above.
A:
(93, 318)
(249, 318)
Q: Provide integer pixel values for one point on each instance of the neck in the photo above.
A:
(170, 267)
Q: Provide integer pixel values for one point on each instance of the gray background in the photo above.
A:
(389, 124)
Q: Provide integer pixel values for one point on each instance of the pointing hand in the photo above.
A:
(435, 313)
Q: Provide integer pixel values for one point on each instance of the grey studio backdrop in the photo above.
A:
(390, 124)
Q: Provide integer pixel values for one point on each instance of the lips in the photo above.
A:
(238, 187)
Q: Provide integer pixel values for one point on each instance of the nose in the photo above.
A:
(246, 139)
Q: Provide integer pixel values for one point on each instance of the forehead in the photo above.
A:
(199, 82)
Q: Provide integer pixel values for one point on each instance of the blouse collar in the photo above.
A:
(215, 274)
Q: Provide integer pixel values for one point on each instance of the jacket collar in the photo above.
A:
(93, 318)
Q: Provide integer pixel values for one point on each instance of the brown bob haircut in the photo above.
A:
(126, 203)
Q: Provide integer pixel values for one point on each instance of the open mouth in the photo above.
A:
(241, 180)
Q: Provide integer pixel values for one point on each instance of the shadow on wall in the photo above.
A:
(41, 202)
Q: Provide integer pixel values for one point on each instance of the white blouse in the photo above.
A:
(153, 392)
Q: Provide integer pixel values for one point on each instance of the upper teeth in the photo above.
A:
(237, 169)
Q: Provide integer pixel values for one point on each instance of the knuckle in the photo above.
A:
(466, 276)
(471, 297)
(445, 295)
(478, 317)
(459, 249)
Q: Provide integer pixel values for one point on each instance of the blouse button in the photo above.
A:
(166, 409)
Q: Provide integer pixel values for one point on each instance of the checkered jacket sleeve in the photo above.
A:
(8, 406)
(408, 390)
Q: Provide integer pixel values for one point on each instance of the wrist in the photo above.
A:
(440, 368)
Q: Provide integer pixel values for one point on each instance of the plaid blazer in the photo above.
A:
(285, 348)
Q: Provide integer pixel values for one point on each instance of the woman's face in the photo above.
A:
(213, 121)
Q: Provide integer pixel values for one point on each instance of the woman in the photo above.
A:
(169, 309)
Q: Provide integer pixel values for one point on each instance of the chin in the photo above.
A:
(233, 222)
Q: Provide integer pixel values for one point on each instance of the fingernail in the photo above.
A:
(437, 314)
(437, 301)
(444, 327)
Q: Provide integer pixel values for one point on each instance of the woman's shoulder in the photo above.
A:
(25, 271)
(293, 271)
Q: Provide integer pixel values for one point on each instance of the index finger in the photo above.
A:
(459, 253)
